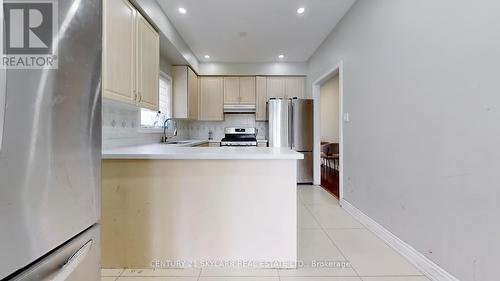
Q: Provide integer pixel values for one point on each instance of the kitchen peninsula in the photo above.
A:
(188, 205)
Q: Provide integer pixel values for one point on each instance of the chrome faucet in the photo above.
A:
(165, 125)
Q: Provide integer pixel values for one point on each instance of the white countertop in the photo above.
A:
(176, 152)
(219, 140)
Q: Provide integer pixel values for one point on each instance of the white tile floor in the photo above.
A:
(326, 232)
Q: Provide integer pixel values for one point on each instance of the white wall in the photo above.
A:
(329, 108)
(156, 14)
(422, 148)
(165, 67)
(277, 68)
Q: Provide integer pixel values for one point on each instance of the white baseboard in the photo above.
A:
(429, 268)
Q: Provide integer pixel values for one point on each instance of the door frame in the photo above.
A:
(338, 69)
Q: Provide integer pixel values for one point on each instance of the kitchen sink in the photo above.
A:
(178, 142)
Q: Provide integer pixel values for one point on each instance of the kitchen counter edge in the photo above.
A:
(165, 152)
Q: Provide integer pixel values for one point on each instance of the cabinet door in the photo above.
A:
(192, 94)
(275, 87)
(294, 87)
(247, 90)
(211, 98)
(118, 56)
(148, 62)
(231, 90)
(179, 93)
(261, 99)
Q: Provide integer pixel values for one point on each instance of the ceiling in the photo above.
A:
(253, 31)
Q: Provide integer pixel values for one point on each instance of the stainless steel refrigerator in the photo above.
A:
(291, 125)
(50, 154)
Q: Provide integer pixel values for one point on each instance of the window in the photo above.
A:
(154, 120)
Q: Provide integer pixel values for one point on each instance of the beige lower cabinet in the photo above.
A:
(185, 93)
(211, 98)
(261, 98)
(130, 57)
(195, 210)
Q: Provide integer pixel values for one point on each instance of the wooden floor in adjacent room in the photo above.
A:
(330, 180)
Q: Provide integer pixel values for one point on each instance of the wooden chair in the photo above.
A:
(324, 152)
(331, 153)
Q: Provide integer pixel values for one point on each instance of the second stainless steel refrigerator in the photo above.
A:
(291, 125)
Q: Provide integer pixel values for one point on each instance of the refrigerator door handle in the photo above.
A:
(73, 262)
(291, 135)
(3, 94)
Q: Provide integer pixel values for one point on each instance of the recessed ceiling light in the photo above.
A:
(182, 10)
(301, 10)
(281, 56)
(207, 56)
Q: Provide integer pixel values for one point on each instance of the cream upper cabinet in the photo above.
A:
(118, 56)
(193, 95)
(231, 90)
(261, 98)
(239, 90)
(294, 87)
(185, 92)
(211, 98)
(247, 90)
(275, 87)
(148, 64)
(131, 56)
(285, 87)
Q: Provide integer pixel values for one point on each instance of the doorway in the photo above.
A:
(330, 135)
(328, 130)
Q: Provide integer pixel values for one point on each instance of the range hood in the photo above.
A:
(239, 108)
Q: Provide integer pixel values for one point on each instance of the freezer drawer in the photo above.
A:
(77, 260)
(305, 168)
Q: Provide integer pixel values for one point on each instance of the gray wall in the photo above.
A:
(422, 150)
(276, 68)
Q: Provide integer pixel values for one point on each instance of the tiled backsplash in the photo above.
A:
(200, 129)
(121, 126)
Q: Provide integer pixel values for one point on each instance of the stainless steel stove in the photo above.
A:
(240, 137)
